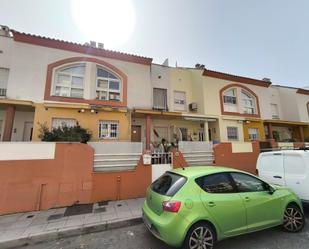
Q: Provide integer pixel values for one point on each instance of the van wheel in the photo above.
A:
(293, 219)
(200, 236)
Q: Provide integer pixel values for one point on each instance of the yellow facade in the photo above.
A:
(256, 124)
(44, 115)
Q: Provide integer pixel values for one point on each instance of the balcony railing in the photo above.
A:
(2, 92)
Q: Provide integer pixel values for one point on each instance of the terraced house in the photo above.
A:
(123, 97)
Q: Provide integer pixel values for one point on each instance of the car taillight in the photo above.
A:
(171, 206)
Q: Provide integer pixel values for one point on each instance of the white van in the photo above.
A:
(287, 168)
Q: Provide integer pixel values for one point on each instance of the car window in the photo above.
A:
(247, 183)
(216, 183)
(168, 184)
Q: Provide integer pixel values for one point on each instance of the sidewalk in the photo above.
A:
(34, 227)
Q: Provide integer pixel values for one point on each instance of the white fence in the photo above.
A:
(197, 153)
(116, 156)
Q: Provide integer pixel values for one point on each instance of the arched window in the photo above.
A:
(69, 81)
(248, 103)
(108, 85)
(230, 100)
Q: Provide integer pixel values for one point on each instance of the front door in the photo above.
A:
(223, 203)
(136, 133)
(28, 128)
(262, 208)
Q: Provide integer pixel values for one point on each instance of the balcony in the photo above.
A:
(2, 92)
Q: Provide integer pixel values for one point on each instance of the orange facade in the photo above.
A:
(29, 185)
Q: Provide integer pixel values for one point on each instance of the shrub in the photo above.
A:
(64, 134)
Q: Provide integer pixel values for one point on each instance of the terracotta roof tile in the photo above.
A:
(77, 47)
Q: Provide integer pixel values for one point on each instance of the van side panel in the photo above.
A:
(270, 167)
(296, 173)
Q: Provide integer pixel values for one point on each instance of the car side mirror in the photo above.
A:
(271, 189)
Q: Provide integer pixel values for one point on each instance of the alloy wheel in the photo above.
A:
(201, 238)
(293, 220)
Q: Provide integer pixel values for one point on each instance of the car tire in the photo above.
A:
(199, 235)
(293, 219)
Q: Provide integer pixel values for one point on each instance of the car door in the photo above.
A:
(224, 205)
(270, 167)
(263, 209)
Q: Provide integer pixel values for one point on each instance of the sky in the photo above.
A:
(253, 38)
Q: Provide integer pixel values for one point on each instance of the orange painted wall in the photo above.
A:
(242, 161)
(27, 185)
(179, 160)
(121, 185)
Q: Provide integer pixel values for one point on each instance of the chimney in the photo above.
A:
(93, 44)
(100, 45)
(4, 31)
(267, 80)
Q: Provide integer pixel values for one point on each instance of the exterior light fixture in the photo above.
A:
(81, 110)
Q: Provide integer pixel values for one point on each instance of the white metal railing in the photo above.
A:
(161, 158)
(116, 156)
(2, 92)
(197, 153)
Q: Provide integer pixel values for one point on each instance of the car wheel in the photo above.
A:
(293, 219)
(200, 236)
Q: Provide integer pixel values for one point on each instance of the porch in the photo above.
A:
(16, 120)
(150, 127)
(285, 131)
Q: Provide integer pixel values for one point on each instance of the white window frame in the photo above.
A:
(253, 135)
(245, 99)
(65, 122)
(228, 96)
(100, 90)
(157, 104)
(276, 108)
(227, 133)
(71, 75)
(109, 130)
(177, 101)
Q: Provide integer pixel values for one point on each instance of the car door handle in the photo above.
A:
(247, 198)
(211, 204)
(279, 177)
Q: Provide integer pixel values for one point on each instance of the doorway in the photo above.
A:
(136, 133)
(28, 129)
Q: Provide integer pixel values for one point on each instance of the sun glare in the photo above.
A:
(108, 21)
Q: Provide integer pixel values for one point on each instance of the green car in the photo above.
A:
(197, 206)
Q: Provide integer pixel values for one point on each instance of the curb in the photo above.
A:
(69, 232)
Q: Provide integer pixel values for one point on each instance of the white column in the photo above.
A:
(206, 135)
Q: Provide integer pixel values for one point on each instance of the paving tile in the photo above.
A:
(110, 210)
(55, 225)
(9, 218)
(21, 223)
(108, 217)
(34, 229)
(75, 221)
(29, 215)
(39, 221)
(124, 215)
(92, 218)
(13, 234)
(46, 213)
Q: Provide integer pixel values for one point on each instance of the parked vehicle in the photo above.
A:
(286, 168)
(195, 207)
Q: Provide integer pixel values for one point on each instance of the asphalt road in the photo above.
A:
(137, 237)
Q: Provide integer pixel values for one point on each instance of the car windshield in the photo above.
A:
(168, 184)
